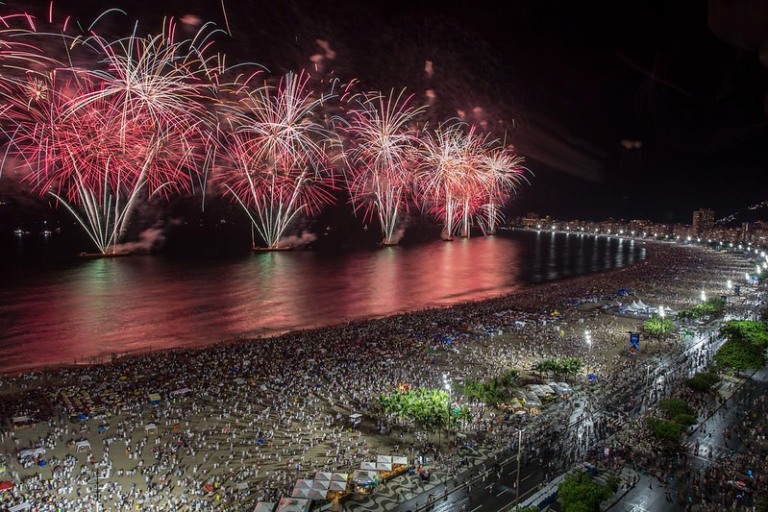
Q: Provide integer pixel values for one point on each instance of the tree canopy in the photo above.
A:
(580, 493)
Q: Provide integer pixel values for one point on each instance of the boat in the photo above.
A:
(271, 249)
(97, 255)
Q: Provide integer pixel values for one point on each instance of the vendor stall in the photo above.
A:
(363, 482)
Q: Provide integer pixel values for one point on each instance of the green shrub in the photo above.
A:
(674, 407)
(664, 430)
(685, 419)
(702, 382)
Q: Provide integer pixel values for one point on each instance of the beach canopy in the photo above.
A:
(6, 486)
(81, 446)
(331, 481)
(264, 506)
(293, 505)
(365, 477)
(338, 485)
(31, 453)
(303, 484)
(21, 420)
(21, 507)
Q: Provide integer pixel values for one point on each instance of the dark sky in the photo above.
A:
(622, 110)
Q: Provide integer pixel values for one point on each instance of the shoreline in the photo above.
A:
(521, 291)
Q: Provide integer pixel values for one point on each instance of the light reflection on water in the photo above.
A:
(98, 307)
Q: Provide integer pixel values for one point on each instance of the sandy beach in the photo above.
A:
(226, 426)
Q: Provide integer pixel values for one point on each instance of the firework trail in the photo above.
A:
(381, 158)
(504, 171)
(450, 179)
(104, 124)
(277, 159)
(97, 138)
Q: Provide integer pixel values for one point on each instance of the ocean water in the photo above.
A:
(85, 310)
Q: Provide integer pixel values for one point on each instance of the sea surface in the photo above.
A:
(88, 310)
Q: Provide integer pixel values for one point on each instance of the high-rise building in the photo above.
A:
(703, 221)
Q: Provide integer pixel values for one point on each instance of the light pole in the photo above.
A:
(519, 456)
(588, 338)
(447, 386)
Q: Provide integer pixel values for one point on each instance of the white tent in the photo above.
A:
(82, 446)
(384, 462)
(264, 506)
(32, 453)
(368, 466)
(303, 484)
(332, 481)
(318, 495)
(150, 426)
(338, 485)
(20, 507)
(300, 493)
(399, 460)
(293, 505)
(181, 391)
(321, 485)
(319, 489)
(365, 476)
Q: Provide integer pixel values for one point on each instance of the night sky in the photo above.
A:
(620, 111)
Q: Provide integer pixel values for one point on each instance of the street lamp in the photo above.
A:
(662, 313)
(447, 386)
(703, 296)
(519, 456)
(588, 337)
(729, 284)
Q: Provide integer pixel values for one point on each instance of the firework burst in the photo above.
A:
(381, 157)
(96, 138)
(277, 158)
(450, 179)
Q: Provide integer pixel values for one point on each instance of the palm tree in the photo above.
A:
(572, 366)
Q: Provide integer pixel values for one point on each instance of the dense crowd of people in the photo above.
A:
(228, 425)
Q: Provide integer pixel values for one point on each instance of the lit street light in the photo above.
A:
(588, 337)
